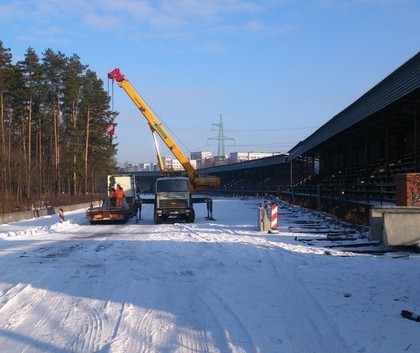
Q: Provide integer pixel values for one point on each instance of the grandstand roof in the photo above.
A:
(256, 163)
(398, 84)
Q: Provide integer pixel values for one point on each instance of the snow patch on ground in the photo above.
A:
(316, 285)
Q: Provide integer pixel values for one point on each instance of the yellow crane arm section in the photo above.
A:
(198, 183)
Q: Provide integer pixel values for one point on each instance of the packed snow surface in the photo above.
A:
(209, 286)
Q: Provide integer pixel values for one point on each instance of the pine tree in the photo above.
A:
(5, 80)
(31, 70)
(99, 151)
(54, 66)
(72, 157)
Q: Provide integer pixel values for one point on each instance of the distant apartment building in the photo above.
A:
(139, 167)
(201, 155)
(236, 157)
(175, 165)
(198, 160)
(203, 159)
(167, 162)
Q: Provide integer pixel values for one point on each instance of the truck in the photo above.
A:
(108, 210)
(173, 196)
(173, 200)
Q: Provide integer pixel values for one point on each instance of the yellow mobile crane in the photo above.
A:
(198, 183)
(173, 191)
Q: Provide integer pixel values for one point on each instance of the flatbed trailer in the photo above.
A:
(107, 212)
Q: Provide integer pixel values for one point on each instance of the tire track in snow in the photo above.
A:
(221, 329)
(118, 321)
(8, 300)
(178, 323)
(26, 309)
(153, 328)
(29, 319)
(144, 323)
(119, 325)
(90, 331)
(305, 332)
(229, 329)
(19, 302)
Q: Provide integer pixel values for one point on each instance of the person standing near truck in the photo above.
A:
(119, 194)
(112, 196)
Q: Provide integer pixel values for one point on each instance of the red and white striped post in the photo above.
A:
(61, 215)
(274, 211)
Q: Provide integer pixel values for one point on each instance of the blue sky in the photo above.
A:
(276, 70)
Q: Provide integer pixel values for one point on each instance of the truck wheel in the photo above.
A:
(157, 219)
(191, 217)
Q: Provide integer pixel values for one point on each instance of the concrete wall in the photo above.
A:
(19, 216)
(395, 225)
(401, 228)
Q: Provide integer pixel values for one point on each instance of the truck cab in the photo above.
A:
(173, 200)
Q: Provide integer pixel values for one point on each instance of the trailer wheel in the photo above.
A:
(126, 217)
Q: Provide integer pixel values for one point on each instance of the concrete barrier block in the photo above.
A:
(377, 229)
(401, 228)
(263, 221)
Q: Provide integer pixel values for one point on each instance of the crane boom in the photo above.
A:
(197, 182)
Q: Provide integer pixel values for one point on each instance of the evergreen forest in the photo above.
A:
(54, 145)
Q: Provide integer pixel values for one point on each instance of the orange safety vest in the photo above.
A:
(119, 193)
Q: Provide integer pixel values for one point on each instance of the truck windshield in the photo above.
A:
(165, 185)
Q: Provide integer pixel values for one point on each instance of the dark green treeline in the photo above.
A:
(53, 117)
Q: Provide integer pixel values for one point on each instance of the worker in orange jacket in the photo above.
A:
(112, 196)
(119, 194)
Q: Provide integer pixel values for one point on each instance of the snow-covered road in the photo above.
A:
(217, 286)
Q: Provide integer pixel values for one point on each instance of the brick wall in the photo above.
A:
(407, 189)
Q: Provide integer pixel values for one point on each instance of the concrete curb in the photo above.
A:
(20, 216)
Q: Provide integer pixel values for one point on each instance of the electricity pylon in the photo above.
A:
(221, 138)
